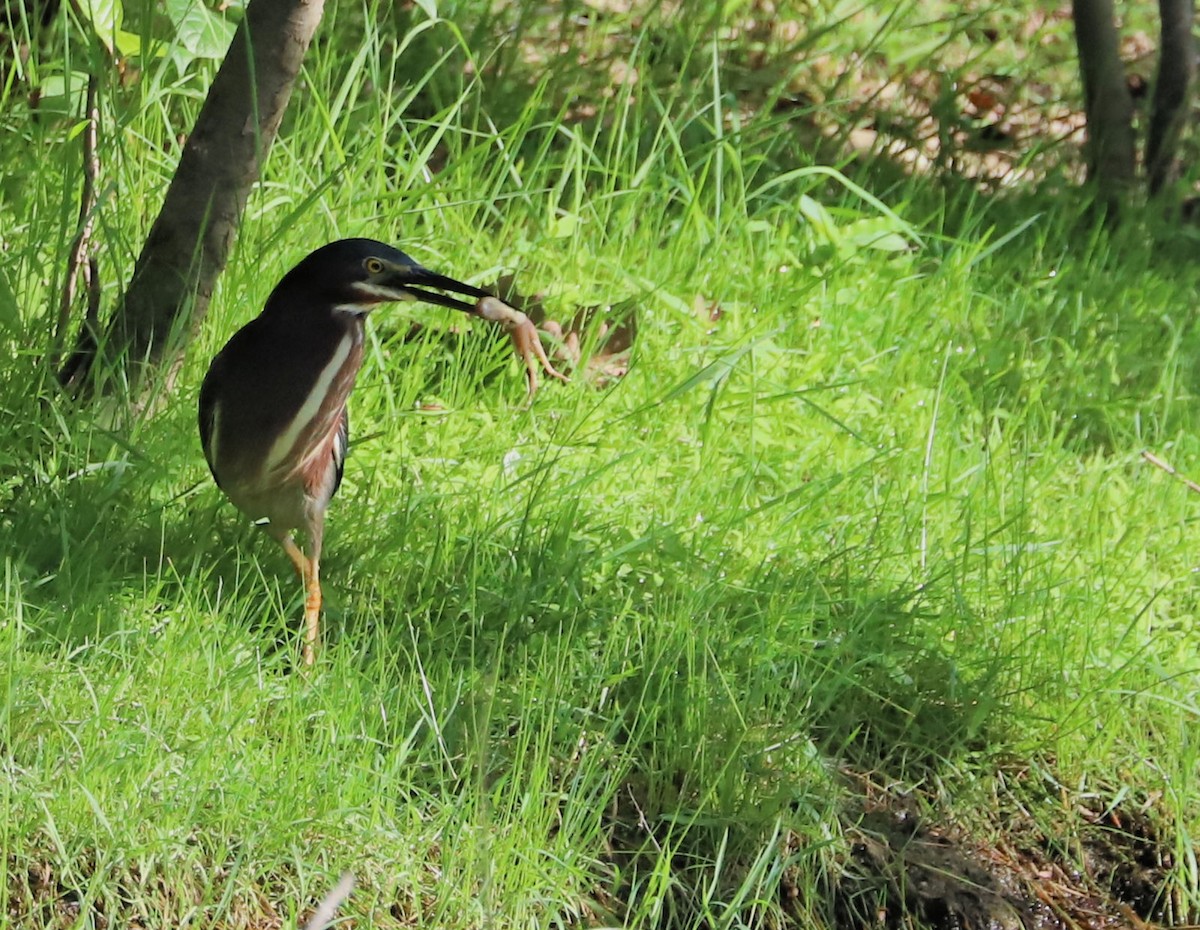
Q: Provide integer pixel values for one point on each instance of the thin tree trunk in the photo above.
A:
(1172, 90)
(189, 243)
(1107, 101)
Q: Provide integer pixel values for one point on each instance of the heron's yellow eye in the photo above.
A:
(373, 266)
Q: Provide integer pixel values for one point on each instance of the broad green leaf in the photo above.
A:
(77, 129)
(129, 44)
(875, 233)
(819, 218)
(105, 17)
(64, 94)
(564, 225)
(201, 32)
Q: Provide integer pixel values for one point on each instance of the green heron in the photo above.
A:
(273, 417)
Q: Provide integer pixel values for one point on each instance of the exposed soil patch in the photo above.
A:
(1105, 869)
(899, 865)
(902, 863)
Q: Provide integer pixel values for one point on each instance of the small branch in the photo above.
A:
(1170, 470)
(323, 916)
(81, 263)
(642, 822)
(91, 277)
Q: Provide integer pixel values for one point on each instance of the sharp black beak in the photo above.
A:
(418, 278)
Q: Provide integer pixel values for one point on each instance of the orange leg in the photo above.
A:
(309, 571)
(312, 612)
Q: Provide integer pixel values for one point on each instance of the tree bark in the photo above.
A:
(1172, 90)
(1107, 101)
(189, 243)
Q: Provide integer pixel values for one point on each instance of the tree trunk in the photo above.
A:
(1107, 101)
(189, 243)
(1172, 90)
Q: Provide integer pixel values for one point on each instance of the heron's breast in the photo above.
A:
(306, 443)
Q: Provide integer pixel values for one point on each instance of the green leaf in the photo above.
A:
(64, 94)
(202, 33)
(129, 44)
(875, 233)
(819, 218)
(564, 225)
(76, 129)
(105, 17)
(10, 313)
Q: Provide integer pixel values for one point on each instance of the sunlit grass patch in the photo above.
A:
(865, 521)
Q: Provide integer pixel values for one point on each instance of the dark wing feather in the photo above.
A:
(341, 445)
(208, 409)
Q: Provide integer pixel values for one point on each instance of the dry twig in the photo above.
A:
(323, 916)
(1170, 470)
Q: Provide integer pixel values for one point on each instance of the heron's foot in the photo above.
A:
(524, 336)
(309, 571)
(312, 617)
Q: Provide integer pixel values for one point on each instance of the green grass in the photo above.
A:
(605, 660)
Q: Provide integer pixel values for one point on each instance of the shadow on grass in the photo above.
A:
(737, 659)
(99, 548)
(747, 704)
